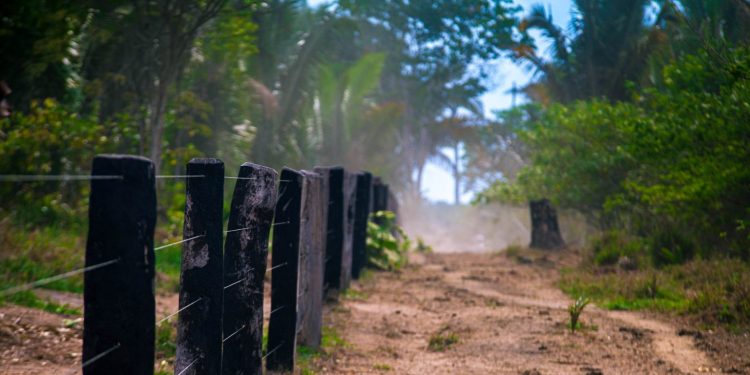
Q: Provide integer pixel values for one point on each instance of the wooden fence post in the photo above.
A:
(282, 326)
(312, 254)
(350, 201)
(199, 327)
(245, 254)
(361, 215)
(334, 179)
(119, 307)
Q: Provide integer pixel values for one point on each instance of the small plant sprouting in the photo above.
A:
(439, 342)
(575, 311)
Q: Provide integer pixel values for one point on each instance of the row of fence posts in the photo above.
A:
(319, 220)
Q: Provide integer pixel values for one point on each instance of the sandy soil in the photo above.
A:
(509, 319)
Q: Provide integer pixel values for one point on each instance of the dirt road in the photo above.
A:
(507, 318)
(485, 313)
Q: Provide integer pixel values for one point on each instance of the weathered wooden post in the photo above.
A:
(199, 326)
(545, 231)
(119, 308)
(350, 202)
(334, 178)
(282, 326)
(312, 253)
(245, 254)
(361, 215)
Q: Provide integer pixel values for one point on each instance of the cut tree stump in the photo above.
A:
(545, 231)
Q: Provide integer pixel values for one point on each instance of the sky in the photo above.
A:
(437, 184)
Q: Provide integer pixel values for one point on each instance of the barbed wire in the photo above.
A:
(61, 177)
(178, 311)
(94, 359)
(188, 366)
(51, 279)
(177, 243)
(274, 349)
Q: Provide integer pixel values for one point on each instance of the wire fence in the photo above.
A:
(139, 271)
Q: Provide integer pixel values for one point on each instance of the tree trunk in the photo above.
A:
(545, 231)
(456, 174)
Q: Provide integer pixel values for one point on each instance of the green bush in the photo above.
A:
(387, 244)
(50, 140)
(612, 245)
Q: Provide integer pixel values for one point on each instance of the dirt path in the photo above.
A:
(508, 318)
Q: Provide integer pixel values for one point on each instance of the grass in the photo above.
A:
(308, 358)
(382, 367)
(354, 295)
(716, 292)
(441, 341)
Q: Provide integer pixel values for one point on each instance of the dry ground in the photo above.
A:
(508, 318)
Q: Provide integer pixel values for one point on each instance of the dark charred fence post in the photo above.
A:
(334, 177)
(545, 231)
(312, 248)
(199, 327)
(380, 196)
(245, 254)
(361, 215)
(119, 315)
(282, 326)
(350, 202)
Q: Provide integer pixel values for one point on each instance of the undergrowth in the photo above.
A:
(715, 291)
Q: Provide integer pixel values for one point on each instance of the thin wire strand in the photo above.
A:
(178, 311)
(235, 332)
(60, 177)
(94, 359)
(282, 223)
(237, 230)
(32, 285)
(160, 176)
(188, 366)
(274, 349)
(240, 178)
(276, 309)
(178, 242)
(235, 283)
(276, 266)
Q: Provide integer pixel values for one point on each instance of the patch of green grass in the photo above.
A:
(166, 338)
(382, 367)
(28, 255)
(331, 339)
(167, 265)
(441, 341)
(356, 295)
(307, 357)
(715, 291)
(29, 299)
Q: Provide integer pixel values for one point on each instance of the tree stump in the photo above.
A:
(545, 231)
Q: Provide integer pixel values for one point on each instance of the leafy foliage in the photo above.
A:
(387, 244)
(668, 166)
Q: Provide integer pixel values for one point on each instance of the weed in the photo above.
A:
(382, 367)
(29, 299)
(165, 341)
(575, 310)
(441, 341)
(355, 295)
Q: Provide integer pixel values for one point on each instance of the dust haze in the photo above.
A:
(463, 228)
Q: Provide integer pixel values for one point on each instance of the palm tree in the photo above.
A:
(609, 44)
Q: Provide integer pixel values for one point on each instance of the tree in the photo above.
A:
(137, 51)
(609, 45)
